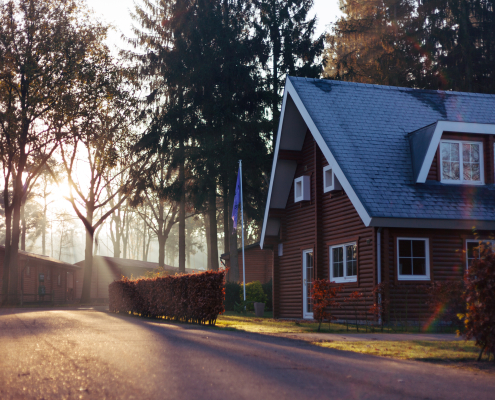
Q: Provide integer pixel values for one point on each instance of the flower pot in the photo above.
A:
(259, 309)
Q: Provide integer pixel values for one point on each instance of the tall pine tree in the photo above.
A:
(290, 45)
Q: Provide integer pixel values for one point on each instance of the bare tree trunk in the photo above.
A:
(182, 211)
(126, 238)
(88, 258)
(96, 241)
(213, 233)
(23, 226)
(144, 235)
(14, 249)
(6, 260)
(43, 231)
(60, 244)
(226, 218)
(206, 218)
(234, 264)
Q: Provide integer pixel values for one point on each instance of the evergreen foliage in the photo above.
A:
(232, 295)
(254, 293)
(432, 44)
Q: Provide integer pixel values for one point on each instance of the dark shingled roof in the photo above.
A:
(366, 128)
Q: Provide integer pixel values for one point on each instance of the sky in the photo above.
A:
(116, 12)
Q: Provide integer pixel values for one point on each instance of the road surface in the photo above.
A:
(91, 354)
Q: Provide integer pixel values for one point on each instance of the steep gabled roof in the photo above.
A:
(366, 134)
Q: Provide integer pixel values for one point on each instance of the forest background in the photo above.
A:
(124, 140)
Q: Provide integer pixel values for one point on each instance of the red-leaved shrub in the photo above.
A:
(323, 295)
(194, 298)
(480, 298)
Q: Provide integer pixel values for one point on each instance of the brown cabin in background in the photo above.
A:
(376, 184)
(42, 278)
(259, 263)
(108, 269)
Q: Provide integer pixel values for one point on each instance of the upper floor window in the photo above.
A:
(413, 260)
(302, 188)
(343, 263)
(461, 162)
(330, 181)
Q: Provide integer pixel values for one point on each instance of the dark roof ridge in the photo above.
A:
(398, 88)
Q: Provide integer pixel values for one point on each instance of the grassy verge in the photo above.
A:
(460, 354)
(250, 323)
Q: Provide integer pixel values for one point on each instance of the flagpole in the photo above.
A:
(242, 228)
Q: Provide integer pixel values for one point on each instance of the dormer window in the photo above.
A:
(461, 162)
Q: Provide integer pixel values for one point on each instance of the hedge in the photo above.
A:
(194, 298)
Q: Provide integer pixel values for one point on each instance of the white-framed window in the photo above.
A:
(474, 249)
(28, 270)
(413, 259)
(302, 187)
(461, 162)
(343, 263)
(330, 181)
(280, 249)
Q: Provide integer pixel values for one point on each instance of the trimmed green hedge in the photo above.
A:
(194, 298)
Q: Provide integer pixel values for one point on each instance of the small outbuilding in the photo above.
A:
(259, 263)
(43, 278)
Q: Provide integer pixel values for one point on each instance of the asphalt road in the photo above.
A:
(89, 354)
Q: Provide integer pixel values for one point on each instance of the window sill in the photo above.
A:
(344, 280)
(410, 278)
(469, 183)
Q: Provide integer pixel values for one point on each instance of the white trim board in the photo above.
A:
(290, 90)
(274, 167)
(450, 126)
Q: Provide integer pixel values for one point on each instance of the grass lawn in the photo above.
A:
(250, 323)
(460, 354)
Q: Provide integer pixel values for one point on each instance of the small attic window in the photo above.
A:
(461, 162)
(302, 189)
(330, 182)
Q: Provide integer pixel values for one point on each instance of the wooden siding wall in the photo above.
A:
(488, 155)
(329, 218)
(447, 262)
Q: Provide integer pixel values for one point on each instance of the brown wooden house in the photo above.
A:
(375, 184)
(259, 263)
(42, 278)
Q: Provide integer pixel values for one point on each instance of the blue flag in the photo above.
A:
(237, 199)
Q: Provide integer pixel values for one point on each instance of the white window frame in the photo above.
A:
(345, 278)
(305, 185)
(461, 181)
(332, 183)
(492, 242)
(427, 275)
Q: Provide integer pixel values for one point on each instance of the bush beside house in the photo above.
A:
(188, 298)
